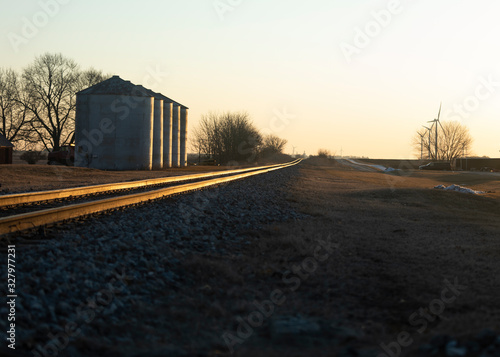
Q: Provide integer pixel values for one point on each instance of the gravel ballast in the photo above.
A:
(79, 284)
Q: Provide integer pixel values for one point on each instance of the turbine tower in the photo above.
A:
(436, 121)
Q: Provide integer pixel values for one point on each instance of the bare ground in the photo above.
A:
(403, 262)
(398, 240)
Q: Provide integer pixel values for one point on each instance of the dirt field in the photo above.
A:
(382, 261)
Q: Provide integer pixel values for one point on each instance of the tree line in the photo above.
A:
(453, 140)
(37, 105)
(232, 136)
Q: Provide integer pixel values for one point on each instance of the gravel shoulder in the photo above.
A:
(312, 260)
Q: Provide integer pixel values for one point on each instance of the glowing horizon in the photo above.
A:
(326, 74)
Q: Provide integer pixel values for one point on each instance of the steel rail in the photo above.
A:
(32, 197)
(39, 218)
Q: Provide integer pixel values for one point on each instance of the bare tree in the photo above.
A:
(227, 137)
(204, 138)
(50, 85)
(90, 77)
(13, 115)
(453, 140)
(325, 153)
(272, 144)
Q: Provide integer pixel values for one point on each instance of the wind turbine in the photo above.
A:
(293, 153)
(436, 121)
(429, 131)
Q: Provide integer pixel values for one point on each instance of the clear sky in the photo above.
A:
(353, 74)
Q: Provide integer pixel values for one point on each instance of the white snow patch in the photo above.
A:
(458, 188)
(378, 167)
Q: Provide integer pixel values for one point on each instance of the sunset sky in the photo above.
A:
(353, 74)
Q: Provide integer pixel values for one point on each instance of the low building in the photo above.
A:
(6, 148)
(123, 126)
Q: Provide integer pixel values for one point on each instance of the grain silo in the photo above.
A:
(183, 136)
(176, 131)
(158, 135)
(114, 126)
(122, 126)
(157, 127)
(167, 133)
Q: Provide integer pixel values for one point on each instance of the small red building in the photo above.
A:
(6, 149)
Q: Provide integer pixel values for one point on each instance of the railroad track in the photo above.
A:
(19, 222)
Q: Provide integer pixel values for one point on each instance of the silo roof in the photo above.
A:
(4, 142)
(161, 96)
(117, 86)
(167, 99)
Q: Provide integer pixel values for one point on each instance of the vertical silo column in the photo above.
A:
(167, 134)
(82, 147)
(146, 109)
(183, 136)
(176, 118)
(158, 135)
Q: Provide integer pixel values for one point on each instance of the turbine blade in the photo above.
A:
(439, 114)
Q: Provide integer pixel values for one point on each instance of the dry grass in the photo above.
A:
(398, 240)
